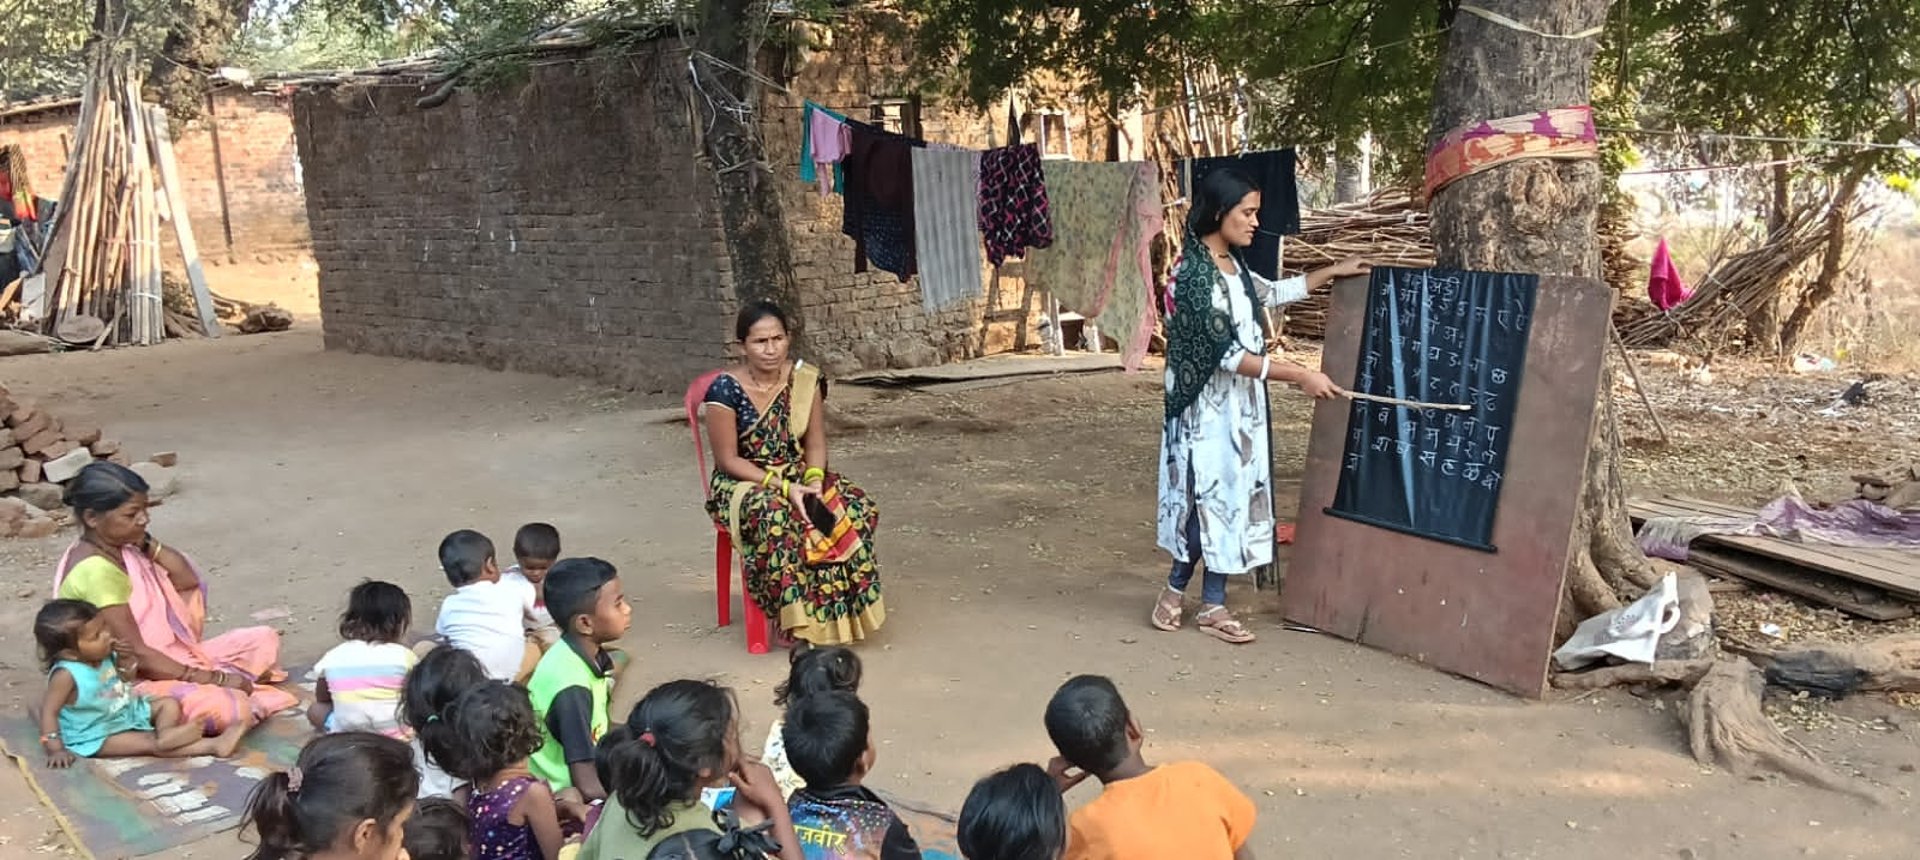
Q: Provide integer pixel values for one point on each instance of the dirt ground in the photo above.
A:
(1017, 550)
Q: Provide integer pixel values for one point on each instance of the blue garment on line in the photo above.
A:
(808, 174)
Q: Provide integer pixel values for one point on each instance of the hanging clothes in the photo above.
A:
(878, 212)
(809, 172)
(1105, 215)
(946, 225)
(1273, 172)
(1664, 286)
(1014, 209)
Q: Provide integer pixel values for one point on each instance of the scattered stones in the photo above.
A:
(161, 481)
(62, 469)
(46, 497)
(168, 459)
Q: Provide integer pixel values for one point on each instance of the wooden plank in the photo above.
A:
(182, 228)
(1833, 591)
(1893, 570)
(1489, 617)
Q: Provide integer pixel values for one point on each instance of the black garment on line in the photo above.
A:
(1273, 171)
(878, 200)
(1435, 336)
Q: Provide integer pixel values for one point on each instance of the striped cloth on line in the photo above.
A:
(947, 226)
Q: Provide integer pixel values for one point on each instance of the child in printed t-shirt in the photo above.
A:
(572, 683)
(1015, 814)
(360, 679)
(536, 546)
(484, 615)
(514, 815)
(1185, 809)
(811, 669)
(834, 815)
(90, 708)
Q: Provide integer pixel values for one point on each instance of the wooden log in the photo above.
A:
(182, 226)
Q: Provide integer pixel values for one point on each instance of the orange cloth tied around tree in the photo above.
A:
(1561, 133)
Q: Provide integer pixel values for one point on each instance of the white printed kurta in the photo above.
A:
(1215, 458)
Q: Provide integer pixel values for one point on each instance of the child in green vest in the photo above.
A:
(571, 685)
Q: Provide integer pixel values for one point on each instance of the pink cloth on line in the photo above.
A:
(831, 139)
(1664, 286)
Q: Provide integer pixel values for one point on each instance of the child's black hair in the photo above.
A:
(1087, 721)
(1015, 814)
(438, 831)
(495, 726)
(730, 842)
(676, 742)
(573, 584)
(617, 734)
(57, 628)
(464, 556)
(536, 541)
(825, 735)
(376, 612)
(818, 670)
(427, 698)
(338, 781)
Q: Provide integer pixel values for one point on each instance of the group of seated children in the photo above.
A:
(480, 751)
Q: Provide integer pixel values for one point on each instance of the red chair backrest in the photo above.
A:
(696, 394)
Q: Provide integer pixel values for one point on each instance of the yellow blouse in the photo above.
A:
(97, 581)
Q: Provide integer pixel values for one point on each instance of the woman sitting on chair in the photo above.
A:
(805, 534)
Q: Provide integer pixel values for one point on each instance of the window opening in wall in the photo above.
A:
(898, 115)
(1055, 142)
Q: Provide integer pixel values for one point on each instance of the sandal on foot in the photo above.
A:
(1166, 611)
(1218, 623)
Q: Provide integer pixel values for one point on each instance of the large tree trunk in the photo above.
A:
(1763, 325)
(1539, 216)
(758, 245)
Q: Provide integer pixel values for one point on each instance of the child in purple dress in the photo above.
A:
(515, 816)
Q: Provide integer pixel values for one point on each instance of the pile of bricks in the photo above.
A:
(39, 452)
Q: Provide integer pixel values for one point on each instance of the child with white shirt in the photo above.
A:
(535, 548)
(485, 616)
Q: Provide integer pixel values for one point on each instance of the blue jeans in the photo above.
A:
(1213, 586)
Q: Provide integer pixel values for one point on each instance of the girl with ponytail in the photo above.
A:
(683, 737)
(348, 797)
(426, 703)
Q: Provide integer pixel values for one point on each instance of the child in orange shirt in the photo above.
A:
(1186, 809)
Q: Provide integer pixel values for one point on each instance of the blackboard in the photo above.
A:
(1435, 336)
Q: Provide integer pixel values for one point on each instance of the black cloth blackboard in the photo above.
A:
(1436, 336)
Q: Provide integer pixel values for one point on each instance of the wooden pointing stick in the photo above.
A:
(1413, 404)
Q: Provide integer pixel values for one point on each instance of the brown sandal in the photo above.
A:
(1166, 611)
(1215, 621)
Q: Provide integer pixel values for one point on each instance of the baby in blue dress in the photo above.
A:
(92, 708)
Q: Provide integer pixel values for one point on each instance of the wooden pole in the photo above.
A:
(182, 227)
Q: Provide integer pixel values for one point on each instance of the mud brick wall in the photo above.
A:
(264, 198)
(556, 227)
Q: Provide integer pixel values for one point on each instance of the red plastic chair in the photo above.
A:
(756, 620)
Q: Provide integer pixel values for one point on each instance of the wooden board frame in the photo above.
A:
(1489, 617)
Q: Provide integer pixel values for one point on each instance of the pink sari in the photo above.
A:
(173, 624)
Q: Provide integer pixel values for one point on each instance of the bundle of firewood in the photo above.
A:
(1388, 228)
(102, 271)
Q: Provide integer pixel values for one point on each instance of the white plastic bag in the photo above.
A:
(1631, 633)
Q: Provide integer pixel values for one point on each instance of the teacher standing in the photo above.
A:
(1216, 467)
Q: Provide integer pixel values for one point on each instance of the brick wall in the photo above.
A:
(558, 227)
(264, 198)
(563, 226)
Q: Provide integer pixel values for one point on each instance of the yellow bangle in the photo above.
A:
(813, 475)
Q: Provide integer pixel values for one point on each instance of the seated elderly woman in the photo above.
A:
(772, 492)
(155, 602)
